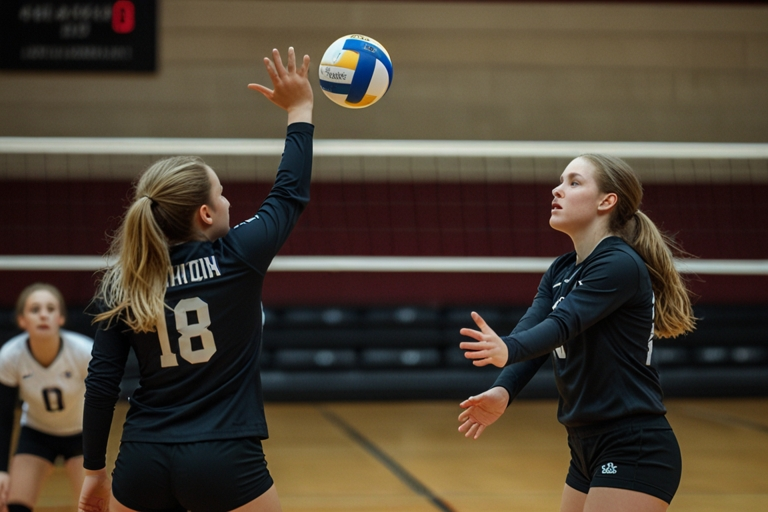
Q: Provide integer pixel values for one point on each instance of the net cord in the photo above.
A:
(388, 264)
(392, 148)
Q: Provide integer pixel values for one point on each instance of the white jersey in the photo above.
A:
(52, 396)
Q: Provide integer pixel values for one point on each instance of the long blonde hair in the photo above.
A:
(674, 315)
(165, 201)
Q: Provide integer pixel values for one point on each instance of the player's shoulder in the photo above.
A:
(14, 345)
(615, 256)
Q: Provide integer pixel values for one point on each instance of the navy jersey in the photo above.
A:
(199, 373)
(596, 321)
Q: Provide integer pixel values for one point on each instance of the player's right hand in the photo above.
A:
(291, 88)
(482, 410)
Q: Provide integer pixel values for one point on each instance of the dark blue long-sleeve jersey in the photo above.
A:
(596, 321)
(199, 373)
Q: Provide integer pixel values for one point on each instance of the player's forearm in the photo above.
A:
(515, 377)
(536, 341)
(96, 426)
(295, 169)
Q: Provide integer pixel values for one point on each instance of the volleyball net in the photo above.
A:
(402, 239)
(386, 211)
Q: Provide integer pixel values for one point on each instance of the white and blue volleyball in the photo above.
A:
(355, 71)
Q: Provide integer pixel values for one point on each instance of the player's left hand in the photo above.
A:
(488, 349)
(482, 410)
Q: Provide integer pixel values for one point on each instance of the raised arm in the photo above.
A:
(259, 238)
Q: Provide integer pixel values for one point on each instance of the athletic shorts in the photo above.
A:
(639, 454)
(48, 447)
(207, 476)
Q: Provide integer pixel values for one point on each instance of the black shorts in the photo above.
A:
(640, 454)
(207, 476)
(47, 446)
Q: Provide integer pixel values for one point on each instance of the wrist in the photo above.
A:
(502, 392)
(300, 114)
(509, 348)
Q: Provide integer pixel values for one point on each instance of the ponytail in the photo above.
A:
(673, 313)
(166, 199)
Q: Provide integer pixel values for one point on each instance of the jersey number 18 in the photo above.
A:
(187, 331)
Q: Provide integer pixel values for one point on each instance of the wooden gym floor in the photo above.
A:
(408, 457)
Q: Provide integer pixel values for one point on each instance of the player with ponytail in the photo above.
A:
(167, 196)
(184, 292)
(673, 305)
(596, 315)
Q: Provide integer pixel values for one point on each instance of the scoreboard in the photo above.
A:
(116, 35)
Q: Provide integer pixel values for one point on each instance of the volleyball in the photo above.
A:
(355, 71)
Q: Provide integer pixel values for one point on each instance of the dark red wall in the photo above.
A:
(436, 219)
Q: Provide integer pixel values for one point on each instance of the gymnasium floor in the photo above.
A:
(408, 457)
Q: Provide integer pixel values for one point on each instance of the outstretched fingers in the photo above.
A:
(479, 430)
(478, 350)
(291, 89)
(483, 334)
(291, 60)
(281, 71)
(469, 402)
(482, 410)
(471, 428)
(272, 68)
(471, 333)
(475, 431)
(304, 70)
(276, 72)
(272, 72)
(481, 323)
(487, 347)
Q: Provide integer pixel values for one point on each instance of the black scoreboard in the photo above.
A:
(116, 35)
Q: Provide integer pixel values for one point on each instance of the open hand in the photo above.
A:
(291, 88)
(488, 349)
(482, 410)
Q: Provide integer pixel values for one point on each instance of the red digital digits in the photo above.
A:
(123, 17)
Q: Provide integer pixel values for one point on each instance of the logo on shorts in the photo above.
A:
(609, 469)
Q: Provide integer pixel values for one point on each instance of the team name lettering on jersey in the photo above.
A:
(653, 329)
(246, 221)
(193, 271)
